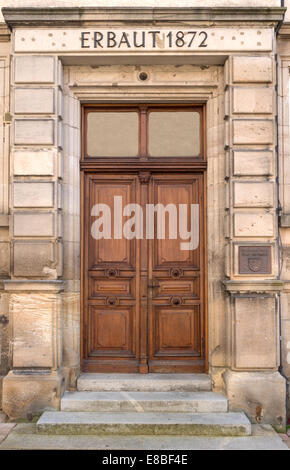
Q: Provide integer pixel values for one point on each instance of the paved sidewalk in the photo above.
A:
(24, 436)
(5, 429)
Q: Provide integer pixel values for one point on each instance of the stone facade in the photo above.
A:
(244, 81)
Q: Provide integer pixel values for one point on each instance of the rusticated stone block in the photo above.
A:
(32, 327)
(262, 395)
(255, 326)
(34, 131)
(253, 100)
(252, 163)
(259, 224)
(34, 194)
(26, 394)
(33, 224)
(34, 101)
(34, 69)
(252, 69)
(33, 258)
(253, 131)
(253, 194)
(33, 162)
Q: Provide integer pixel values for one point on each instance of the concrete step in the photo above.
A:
(122, 423)
(144, 382)
(186, 402)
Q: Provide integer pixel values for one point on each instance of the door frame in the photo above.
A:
(103, 166)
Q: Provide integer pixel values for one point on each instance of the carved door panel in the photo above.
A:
(111, 282)
(176, 316)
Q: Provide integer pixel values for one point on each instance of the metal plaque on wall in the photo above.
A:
(255, 260)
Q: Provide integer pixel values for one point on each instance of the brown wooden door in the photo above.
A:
(143, 295)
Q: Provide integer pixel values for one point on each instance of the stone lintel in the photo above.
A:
(254, 286)
(79, 16)
(37, 285)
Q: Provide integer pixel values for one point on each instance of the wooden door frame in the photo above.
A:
(103, 166)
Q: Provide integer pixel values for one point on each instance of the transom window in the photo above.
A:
(143, 132)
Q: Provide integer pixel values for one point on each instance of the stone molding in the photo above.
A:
(79, 16)
(284, 31)
(254, 286)
(5, 34)
(24, 286)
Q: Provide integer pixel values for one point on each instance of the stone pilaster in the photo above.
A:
(34, 293)
(253, 349)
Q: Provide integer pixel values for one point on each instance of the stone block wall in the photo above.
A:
(5, 120)
(283, 46)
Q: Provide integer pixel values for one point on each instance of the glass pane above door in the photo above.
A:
(112, 134)
(174, 134)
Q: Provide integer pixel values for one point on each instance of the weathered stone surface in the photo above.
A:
(33, 258)
(211, 424)
(259, 224)
(34, 69)
(26, 393)
(252, 163)
(258, 131)
(33, 194)
(262, 395)
(33, 224)
(186, 402)
(253, 194)
(3, 417)
(252, 69)
(253, 100)
(255, 326)
(33, 162)
(5, 258)
(34, 327)
(145, 383)
(24, 436)
(34, 132)
(34, 101)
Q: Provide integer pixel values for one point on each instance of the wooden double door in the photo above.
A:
(143, 283)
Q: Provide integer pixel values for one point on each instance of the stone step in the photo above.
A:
(144, 382)
(186, 402)
(25, 437)
(122, 423)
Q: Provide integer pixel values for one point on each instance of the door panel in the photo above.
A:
(111, 312)
(176, 328)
